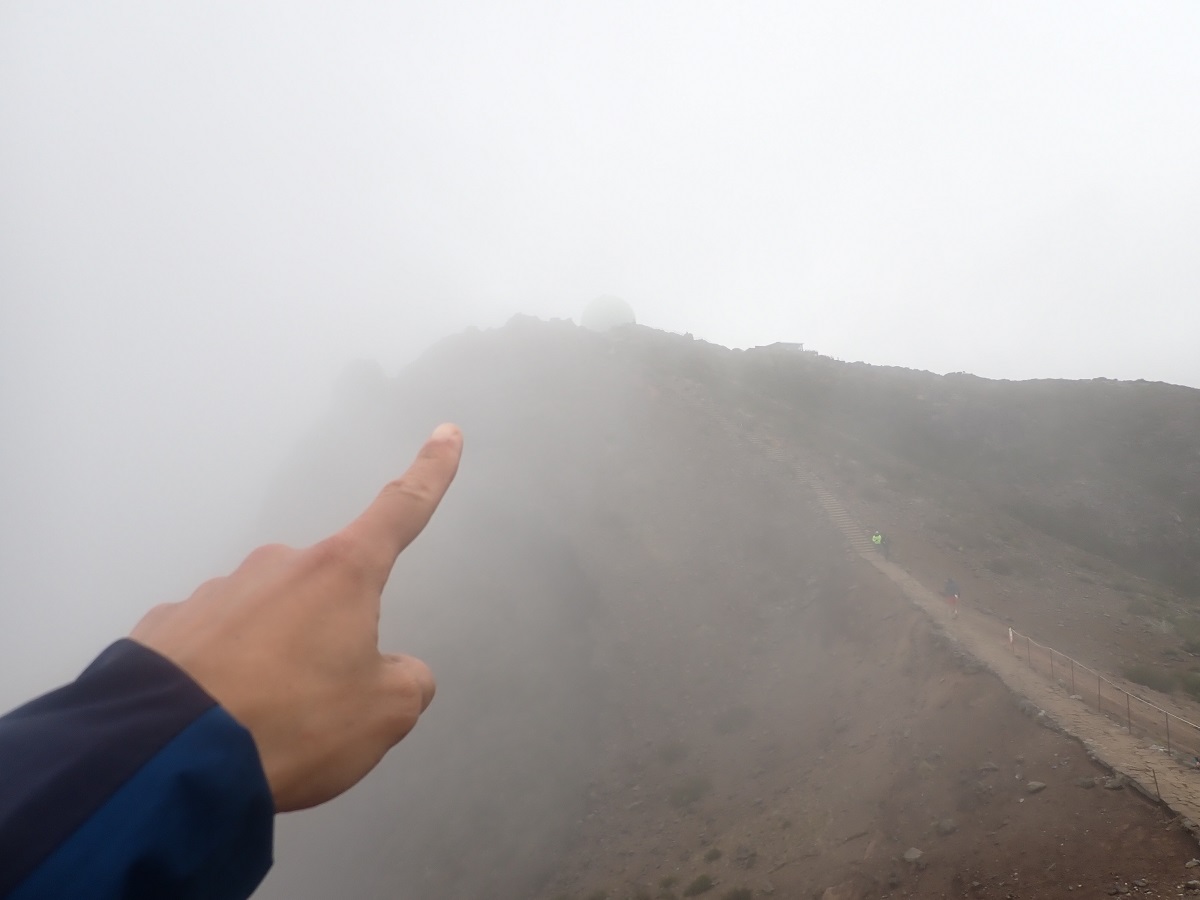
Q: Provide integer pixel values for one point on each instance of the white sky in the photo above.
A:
(208, 209)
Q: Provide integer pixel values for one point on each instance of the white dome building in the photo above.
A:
(605, 313)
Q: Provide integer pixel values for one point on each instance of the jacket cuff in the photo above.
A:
(131, 775)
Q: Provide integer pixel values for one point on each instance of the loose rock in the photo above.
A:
(745, 857)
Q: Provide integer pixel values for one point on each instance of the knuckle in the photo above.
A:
(338, 550)
(267, 555)
(206, 589)
(153, 619)
(410, 487)
(160, 611)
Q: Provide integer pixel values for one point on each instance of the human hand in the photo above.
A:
(288, 643)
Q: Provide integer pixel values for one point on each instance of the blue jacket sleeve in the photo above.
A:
(131, 783)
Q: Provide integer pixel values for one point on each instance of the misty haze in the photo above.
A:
(716, 294)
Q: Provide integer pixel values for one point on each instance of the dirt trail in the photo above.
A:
(986, 639)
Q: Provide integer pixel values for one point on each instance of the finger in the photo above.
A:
(404, 507)
(411, 676)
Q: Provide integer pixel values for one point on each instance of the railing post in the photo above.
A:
(1148, 728)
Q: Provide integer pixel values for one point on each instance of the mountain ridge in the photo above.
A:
(652, 644)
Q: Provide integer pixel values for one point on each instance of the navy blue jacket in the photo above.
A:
(131, 782)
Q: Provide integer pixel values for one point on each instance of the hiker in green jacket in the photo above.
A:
(880, 543)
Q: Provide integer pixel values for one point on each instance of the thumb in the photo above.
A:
(408, 689)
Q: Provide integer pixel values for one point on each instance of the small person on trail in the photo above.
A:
(880, 543)
(951, 592)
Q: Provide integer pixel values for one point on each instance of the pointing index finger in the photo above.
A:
(404, 506)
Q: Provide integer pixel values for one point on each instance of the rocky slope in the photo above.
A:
(658, 663)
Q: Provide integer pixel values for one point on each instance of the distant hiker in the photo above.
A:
(880, 544)
(951, 592)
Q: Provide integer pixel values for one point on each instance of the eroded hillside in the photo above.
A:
(658, 662)
(1112, 468)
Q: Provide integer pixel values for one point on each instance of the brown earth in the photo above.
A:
(919, 748)
(661, 661)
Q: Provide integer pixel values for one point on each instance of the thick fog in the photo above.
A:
(209, 211)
